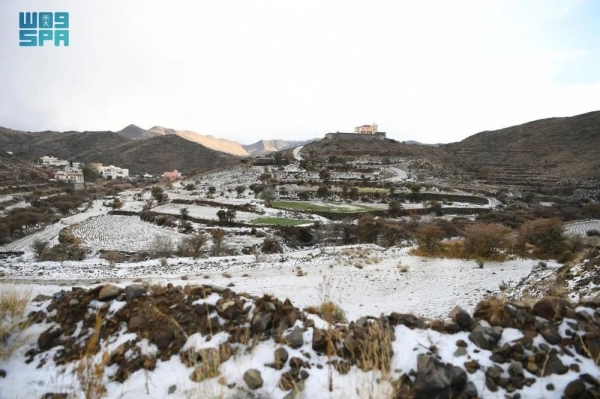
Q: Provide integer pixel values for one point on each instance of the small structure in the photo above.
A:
(366, 129)
(69, 177)
(113, 172)
(52, 161)
(171, 175)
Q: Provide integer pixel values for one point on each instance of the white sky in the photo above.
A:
(432, 71)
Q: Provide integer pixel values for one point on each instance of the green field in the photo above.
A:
(280, 221)
(336, 207)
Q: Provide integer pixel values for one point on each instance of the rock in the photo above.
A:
(497, 358)
(281, 356)
(319, 343)
(553, 365)
(172, 389)
(472, 366)
(575, 389)
(46, 339)
(41, 298)
(74, 302)
(460, 352)
(162, 338)
(486, 337)
(550, 333)
(135, 323)
(461, 343)
(296, 363)
(108, 291)
(405, 319)
(471, 390)
(287, 382)
(2, 373)
(437, 380)
(261, 321)
(550, 308)
(295, 338)
(134, 291)
(516, 368)
(460, 317)
(253, 379)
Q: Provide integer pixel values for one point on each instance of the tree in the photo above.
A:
(240, 190)
(485, 240)
(394, 207)
(90, 174)
(40, 247)
(159, 195)
(230, 215)
(268, 195)
(429, 237)
(184, 213)
(322, 191)
(162, 246)
(217, 236)
(212, 190)
(222, 215)
(193, 245)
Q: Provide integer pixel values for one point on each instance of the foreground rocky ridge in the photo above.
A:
(265, 347)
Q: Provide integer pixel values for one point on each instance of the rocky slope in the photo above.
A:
(14, 171)
(151, 341)
(567, 147)
(154, 155)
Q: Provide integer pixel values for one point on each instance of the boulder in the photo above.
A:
(134, 291)
(281, 356)
(108, 292)
(486, 337)
(437, 380)
(575, 389)
(550, 308)
(460, 317)
(295, 338)
(253, 379)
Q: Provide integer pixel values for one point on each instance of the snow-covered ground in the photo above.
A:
(203, 212)
(121, 233)
(50, 233)
(580, 228)
(362, 286)
(296, 153)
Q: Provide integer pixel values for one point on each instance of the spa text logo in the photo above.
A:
(37, 28)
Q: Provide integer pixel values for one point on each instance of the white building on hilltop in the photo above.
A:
(113, 172)
(69, 177)
(52, 161)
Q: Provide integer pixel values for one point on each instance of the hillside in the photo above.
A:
(14, 171)
(222, 145)
(386, 147)
(154, 155)
(135, 132)
(566, 147)
(263, 147)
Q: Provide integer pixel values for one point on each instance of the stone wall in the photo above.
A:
(355, 136)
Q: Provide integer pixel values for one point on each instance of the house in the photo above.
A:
(171, 175)
(366, 129)
(52, 161)
(113, 172)
(68, 177)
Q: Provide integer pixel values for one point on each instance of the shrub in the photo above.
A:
(429, 237)
(545, 234)
(194, 245)
(271, 246)
(162, 246)
(332, 312)
(485, 240)
(66, 237)
(40, 247)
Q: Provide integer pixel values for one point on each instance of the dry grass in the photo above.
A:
(332, 312)
(89, 371)
(13, 303)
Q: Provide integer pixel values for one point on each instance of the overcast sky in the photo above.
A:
(432, 71)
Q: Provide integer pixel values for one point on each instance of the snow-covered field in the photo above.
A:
(430, 287)
(580, 228)
(121, 233)
(50, 233)
(203, 212)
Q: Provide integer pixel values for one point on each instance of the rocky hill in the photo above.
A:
(135, 132)
(214, 143)
(264, 147)
(566, 147)
(208, 341)
(14, 171)
(380, 148)
(154, 155)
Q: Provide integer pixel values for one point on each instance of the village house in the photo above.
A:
(113, 172)
(69, 177)
(366, 129)
(171, 175)
(52, 161)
